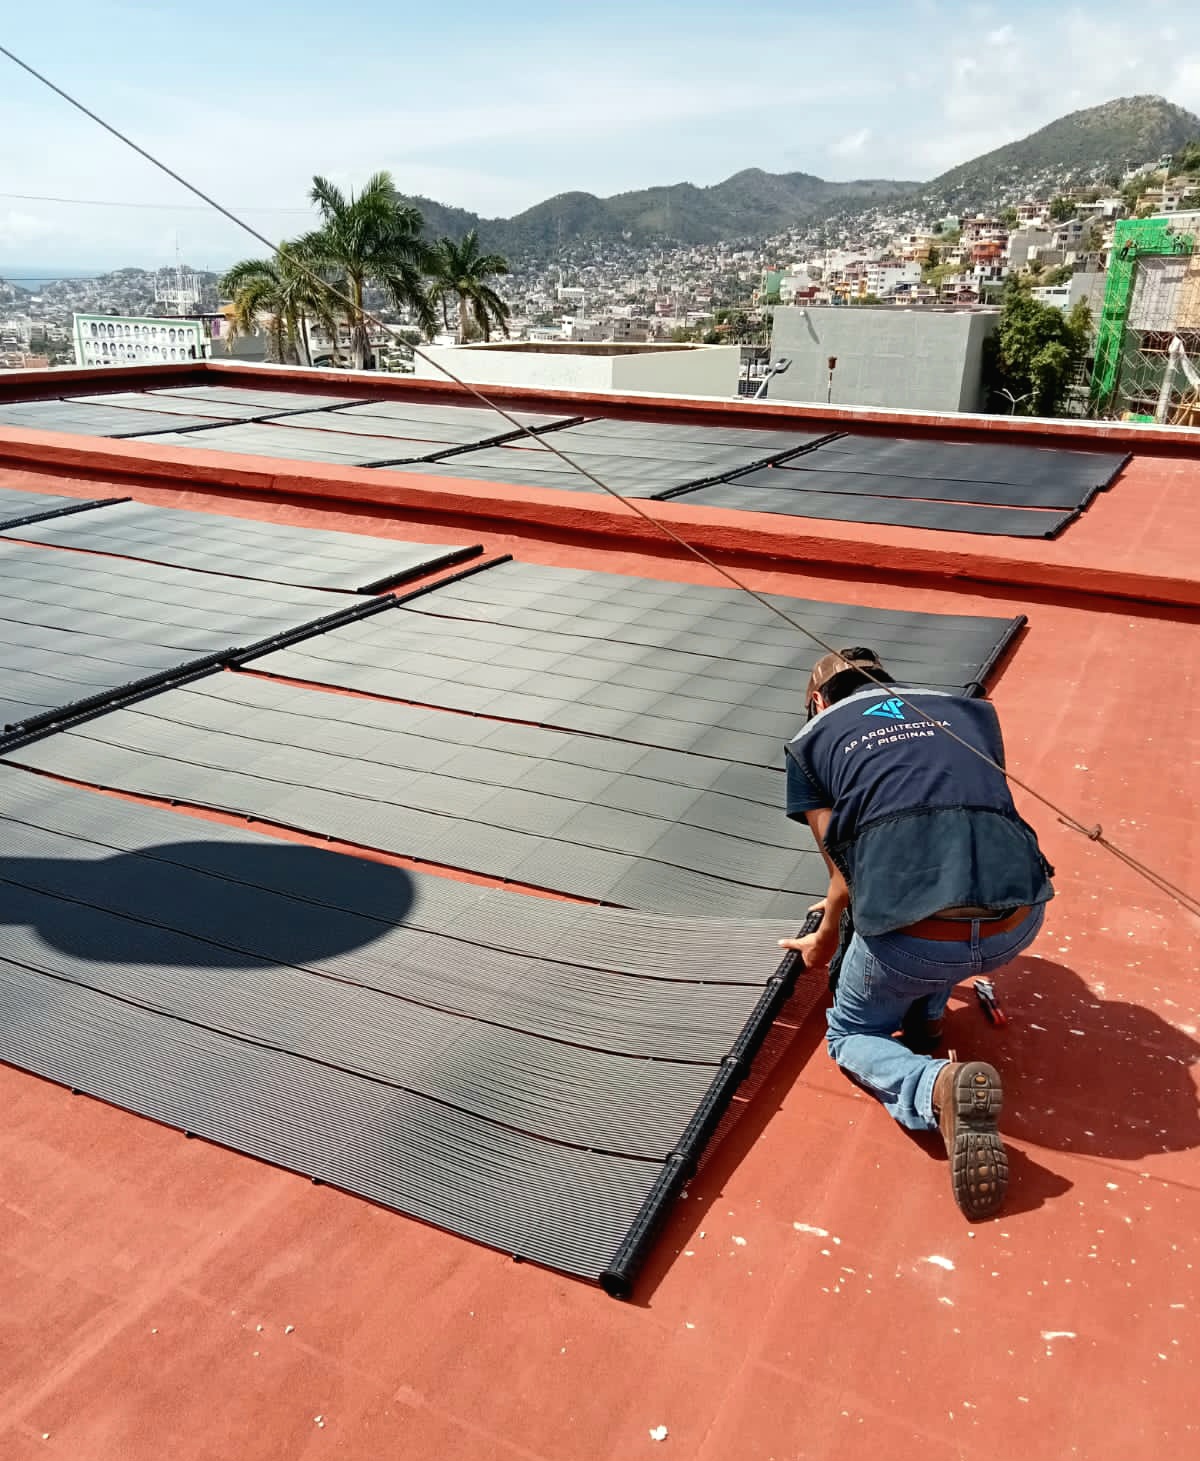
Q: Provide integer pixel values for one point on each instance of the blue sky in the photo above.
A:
(495, 106)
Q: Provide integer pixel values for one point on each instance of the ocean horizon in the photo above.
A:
(36, 276)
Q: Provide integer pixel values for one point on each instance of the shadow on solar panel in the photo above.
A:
(347, 1020)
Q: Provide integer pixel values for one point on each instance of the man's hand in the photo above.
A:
(816, 949)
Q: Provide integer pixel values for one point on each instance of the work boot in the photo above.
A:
(966, 1100)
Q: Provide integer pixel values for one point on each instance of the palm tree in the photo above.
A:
(288, 293)
(372, 238)
(461, 272)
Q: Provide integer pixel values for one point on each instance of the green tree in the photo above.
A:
(460, 275)
(1061, 209)
(1008, 216)
(1033, 356)
(1061, 274)
(369, 238)
(288, 294)
(1134, 188)
(1187, 158)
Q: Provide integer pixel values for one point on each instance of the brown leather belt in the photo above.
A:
(958, 930)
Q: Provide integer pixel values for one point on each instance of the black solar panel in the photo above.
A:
(486, 422)
(536, 1075)
(18, 508)
(77, 625)
(563, 478)
(277, 439)
(1046, 494)
(590, 818)
(93, 420)
(418, 434)
(764, 441)
(334, 1017)
(720, 643)
(160, 401)
(637, 459)
(1015, 491)
(275, 552)
(257, 398)
(1080, 472)
(950, 517)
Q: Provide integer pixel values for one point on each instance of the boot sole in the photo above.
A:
(978, 1161)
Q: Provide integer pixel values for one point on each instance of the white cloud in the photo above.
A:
(852, 144)
(1185, 83)
(25, 230)
(1010, 83)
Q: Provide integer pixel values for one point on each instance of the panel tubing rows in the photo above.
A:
(41, 517)
(618, 1278)
(77, 711)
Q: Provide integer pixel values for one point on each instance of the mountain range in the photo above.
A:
(1086, 146)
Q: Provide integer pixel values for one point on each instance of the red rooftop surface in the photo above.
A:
(816, 1295)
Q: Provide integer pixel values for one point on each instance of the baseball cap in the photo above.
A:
(830, 665)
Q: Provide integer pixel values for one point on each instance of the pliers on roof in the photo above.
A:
(985, 993)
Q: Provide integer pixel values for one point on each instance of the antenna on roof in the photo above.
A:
(178, 290)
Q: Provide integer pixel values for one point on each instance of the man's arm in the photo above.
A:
(818, 948)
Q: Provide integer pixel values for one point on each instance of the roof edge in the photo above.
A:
(717, 410)
(588, 517)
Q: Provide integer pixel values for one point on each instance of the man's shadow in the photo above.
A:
(1101, 1077)
(223, 891)
(1121, 1089)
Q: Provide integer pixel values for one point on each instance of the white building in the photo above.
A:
(796, 280)
(884, 279)
(681, 370)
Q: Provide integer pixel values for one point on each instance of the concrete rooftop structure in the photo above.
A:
(814, 1294)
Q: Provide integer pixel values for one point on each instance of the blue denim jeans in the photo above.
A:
(880, 978)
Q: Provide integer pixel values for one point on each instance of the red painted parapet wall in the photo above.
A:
(1133, 542)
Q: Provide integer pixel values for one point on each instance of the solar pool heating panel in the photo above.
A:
(79, 418)
(79, 625)
(403, 435)
(485, 423)
(526, 461)
(1068, 476)
(20, 508)
(267, 439)
(159, 401)
(258, 398)
(1048, 495)
(686, 668)
(712, 456)
(901, 512)
(465, 465)
(528, 805)
(246, 548)
(766, 441)
(327, 1015)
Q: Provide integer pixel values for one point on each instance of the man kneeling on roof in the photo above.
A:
(942, 880)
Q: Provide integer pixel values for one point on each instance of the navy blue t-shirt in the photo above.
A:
(919, 824)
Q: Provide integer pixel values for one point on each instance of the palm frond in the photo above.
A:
(328, 198)
(243, 272)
